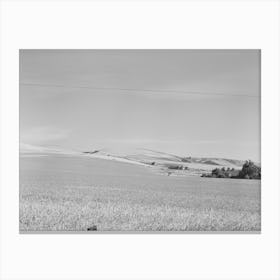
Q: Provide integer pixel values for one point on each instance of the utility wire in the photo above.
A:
(141, 90)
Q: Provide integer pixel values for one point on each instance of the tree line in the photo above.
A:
(249, 171)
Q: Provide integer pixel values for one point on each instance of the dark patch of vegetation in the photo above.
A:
(177, 167)
(92, 228)
(248, 171)
(93, 152)
(148, 162)
(222, 173)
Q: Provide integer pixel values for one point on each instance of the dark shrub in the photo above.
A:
(250, 171)
(176, 167)
(92, 228)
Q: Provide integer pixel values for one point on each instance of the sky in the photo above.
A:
(187, 102)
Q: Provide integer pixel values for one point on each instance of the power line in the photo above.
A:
(141, 90)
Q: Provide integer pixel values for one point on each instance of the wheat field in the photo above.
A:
(68, 193)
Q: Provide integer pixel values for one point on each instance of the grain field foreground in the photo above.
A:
(71, 193)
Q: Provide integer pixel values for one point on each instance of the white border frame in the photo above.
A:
(155, 24)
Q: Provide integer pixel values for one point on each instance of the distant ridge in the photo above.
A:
(139, 156)
(155, 158)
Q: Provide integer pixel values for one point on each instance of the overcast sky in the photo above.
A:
(203, 103)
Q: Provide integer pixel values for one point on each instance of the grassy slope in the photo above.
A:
(73, 193)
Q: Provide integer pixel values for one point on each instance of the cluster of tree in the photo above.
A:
(177, 167)
(248, 171)
(222, 173)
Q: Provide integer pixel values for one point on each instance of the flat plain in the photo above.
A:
(72, 193)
